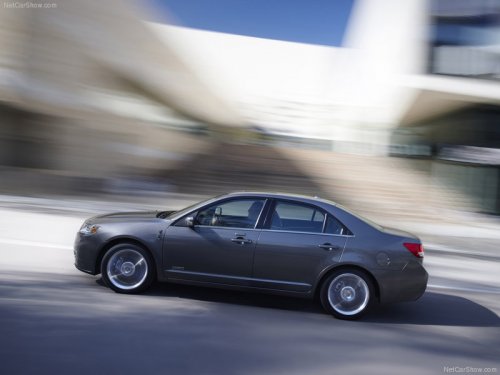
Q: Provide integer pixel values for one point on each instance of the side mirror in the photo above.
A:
(189, 221)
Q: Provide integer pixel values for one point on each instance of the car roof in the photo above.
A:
(292, 196)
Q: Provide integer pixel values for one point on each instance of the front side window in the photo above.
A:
(236, 213)
(297, 217)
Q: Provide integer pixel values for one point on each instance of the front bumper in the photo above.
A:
(86, 251)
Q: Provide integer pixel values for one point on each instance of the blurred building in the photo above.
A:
(92, 90)
(87, 90)
(413, 79)
(454, 113)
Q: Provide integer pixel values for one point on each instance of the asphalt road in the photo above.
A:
(56, 320)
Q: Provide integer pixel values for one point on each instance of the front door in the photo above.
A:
(219, 248)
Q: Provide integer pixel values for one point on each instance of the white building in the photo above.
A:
(393, 70)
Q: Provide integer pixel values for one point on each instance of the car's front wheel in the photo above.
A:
(127, 268)
(347, 294)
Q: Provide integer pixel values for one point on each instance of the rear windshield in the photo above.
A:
(363, 219)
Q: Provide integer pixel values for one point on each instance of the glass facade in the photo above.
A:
(465, 38)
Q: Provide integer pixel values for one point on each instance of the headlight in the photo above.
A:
(88, 229)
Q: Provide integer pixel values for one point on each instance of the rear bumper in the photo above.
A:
(409, 284)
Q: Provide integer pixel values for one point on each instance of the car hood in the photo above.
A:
(123, 216)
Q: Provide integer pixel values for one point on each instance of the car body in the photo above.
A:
(271, 242)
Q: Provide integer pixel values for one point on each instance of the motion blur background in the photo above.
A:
(116, 105)
(401, 123)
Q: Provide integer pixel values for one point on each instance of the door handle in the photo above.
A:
(241, 240)
(329, 246)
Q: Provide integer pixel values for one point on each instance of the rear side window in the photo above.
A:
(297, 217)
(333, 226)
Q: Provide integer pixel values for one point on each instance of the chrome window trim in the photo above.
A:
(202, 205)
(325, 218)
(312, 233)
(260, 214)
(277, 231)
(217, 227)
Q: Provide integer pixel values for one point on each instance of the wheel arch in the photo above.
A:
(344, 266)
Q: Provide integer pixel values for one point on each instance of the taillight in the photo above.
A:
(416, 249)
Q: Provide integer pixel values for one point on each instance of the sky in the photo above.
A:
(306, 21)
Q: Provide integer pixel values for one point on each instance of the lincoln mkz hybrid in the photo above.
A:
(276, 243)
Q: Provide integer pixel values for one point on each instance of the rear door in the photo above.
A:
(297, 242)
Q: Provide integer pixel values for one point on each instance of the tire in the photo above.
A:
(347, 294)
(127, 268)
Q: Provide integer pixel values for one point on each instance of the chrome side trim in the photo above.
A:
(176, 271)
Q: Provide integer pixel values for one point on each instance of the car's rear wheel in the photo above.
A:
(347, 294)
(127, 268)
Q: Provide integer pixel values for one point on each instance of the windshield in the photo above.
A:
(191, 207)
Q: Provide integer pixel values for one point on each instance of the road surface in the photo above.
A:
(57, 320)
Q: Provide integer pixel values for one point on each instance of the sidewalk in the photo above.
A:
(480, 238)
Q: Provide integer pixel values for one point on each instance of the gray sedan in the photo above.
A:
(275, 243)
